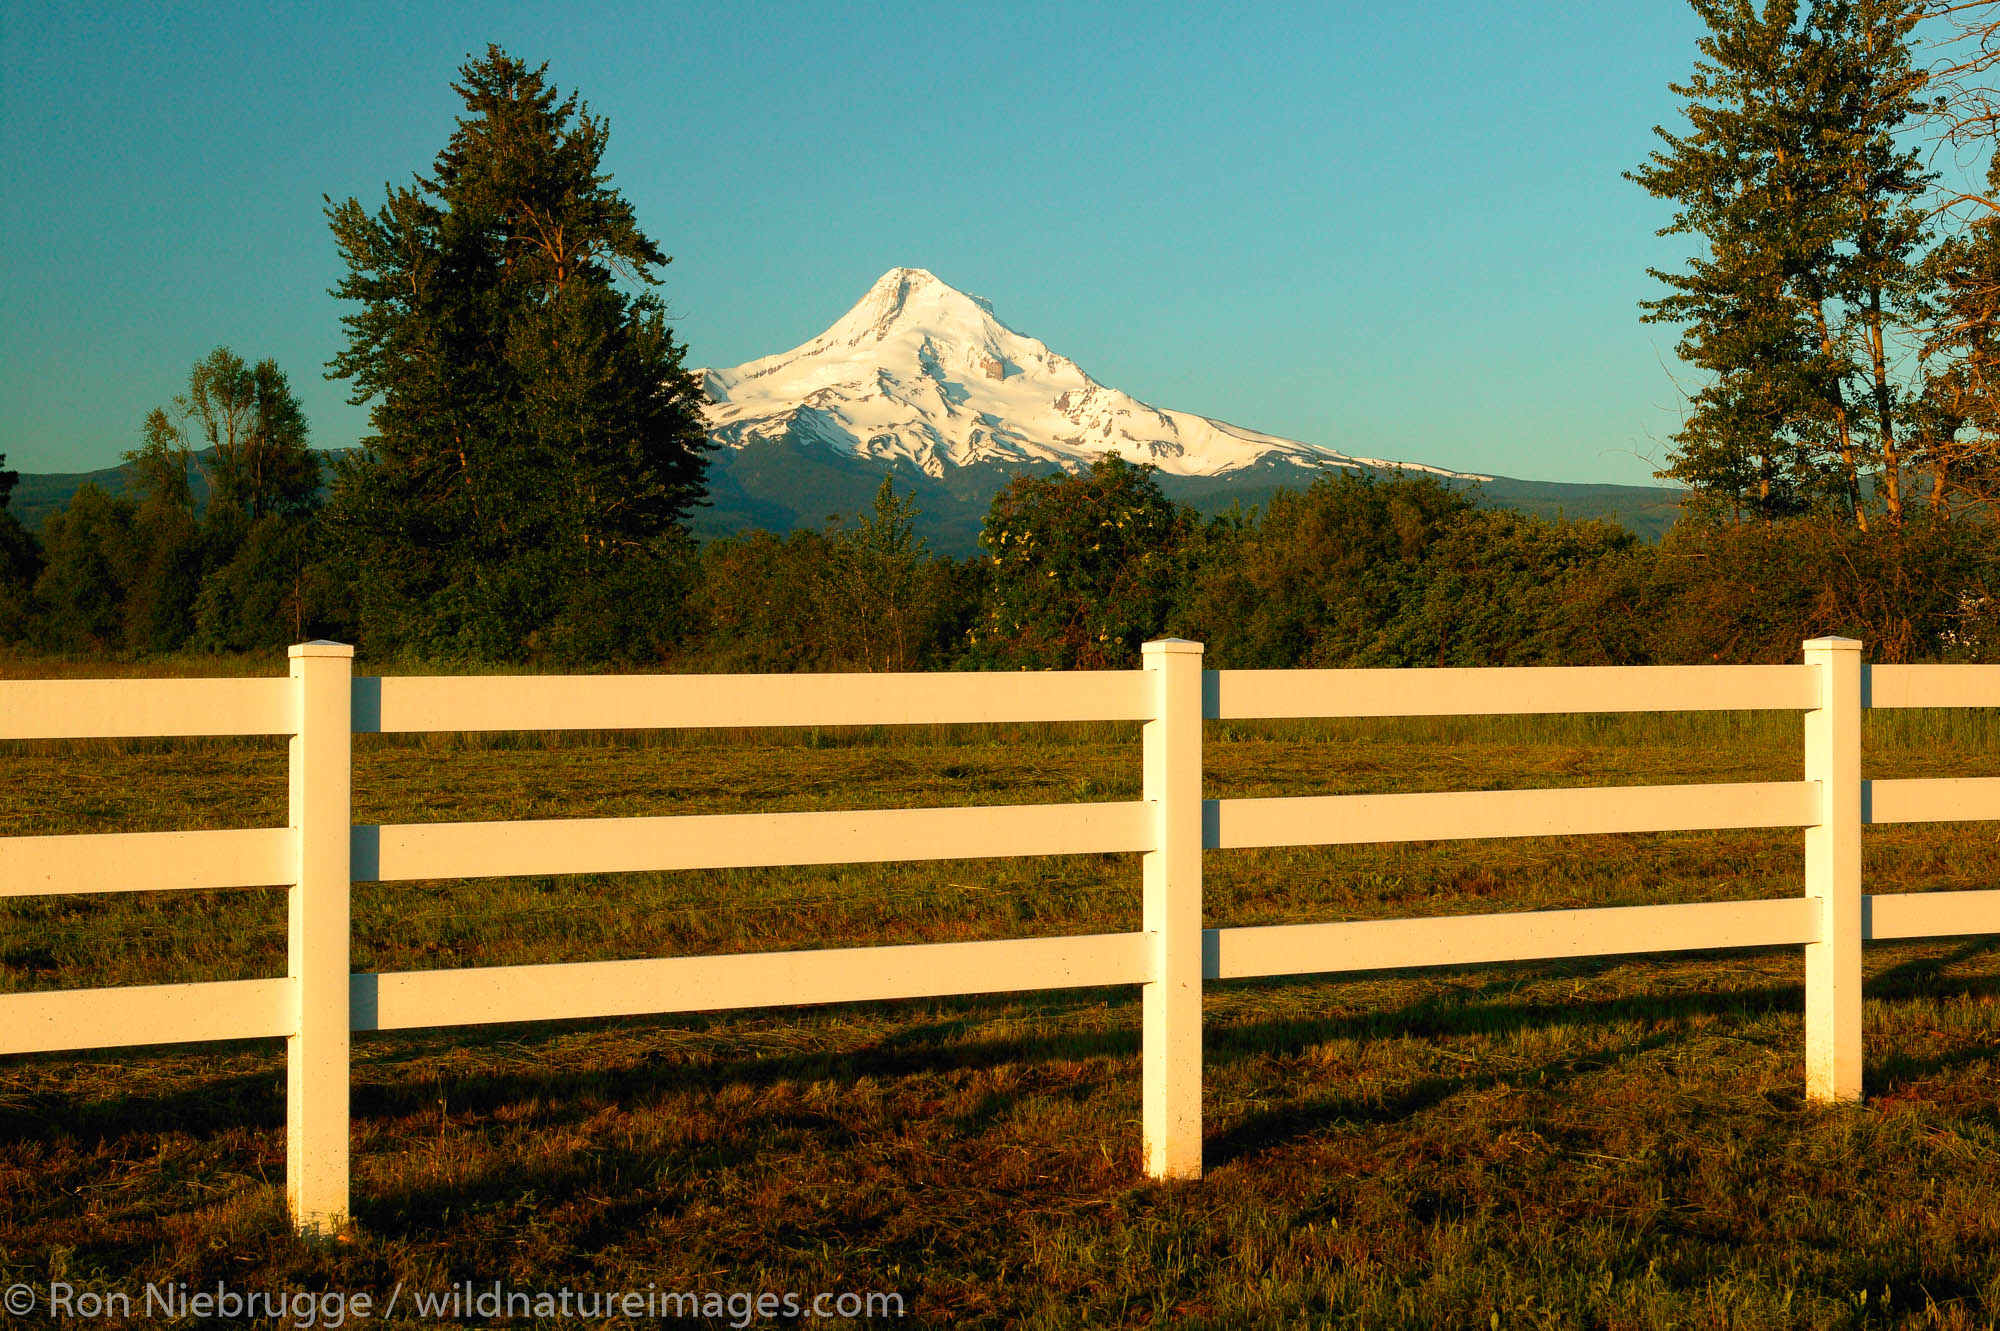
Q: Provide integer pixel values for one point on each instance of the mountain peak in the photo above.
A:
(905, 297)
(919, 371)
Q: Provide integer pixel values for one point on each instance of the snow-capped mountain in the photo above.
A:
(921, 372)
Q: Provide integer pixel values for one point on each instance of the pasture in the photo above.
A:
(1615, 1143)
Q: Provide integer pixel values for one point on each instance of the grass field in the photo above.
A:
(1607, 1143)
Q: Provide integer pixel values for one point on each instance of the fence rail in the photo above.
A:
(320, 854)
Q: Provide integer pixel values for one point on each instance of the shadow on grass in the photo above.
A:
(637, 1068)
(207, 1105)
(1918, 976)
(951, 1042)
(1256, 1133)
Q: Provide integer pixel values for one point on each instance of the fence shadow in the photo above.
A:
(941, 1044)
(637, 1066)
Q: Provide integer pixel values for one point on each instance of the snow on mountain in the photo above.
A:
(922, 372)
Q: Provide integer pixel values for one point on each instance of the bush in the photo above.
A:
(1754, 592)
(1080, 569)
(1319, 577)
(1500, 588)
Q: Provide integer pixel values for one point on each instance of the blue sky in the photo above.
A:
(1398, 230)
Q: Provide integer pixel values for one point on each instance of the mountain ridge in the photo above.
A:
(782, 487)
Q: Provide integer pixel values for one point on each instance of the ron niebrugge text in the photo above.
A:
(332, 1309)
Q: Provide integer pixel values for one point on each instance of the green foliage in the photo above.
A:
(1318, 578)
(1354, 572)
(1961, 431)
(872, 589)
(537, 444)
(861, 596)
(250, 440)
(262, 596)
(234, 576)
(169, 561)
(1499, 588)
(20, 562)
(1722, 593)
(1793, 178)
(1081, 569)
(755, 603)
(91, 559)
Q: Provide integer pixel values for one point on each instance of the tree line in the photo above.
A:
(1357, 570)
(1075, 572)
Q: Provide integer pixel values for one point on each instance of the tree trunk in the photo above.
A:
(1885, 416)
(1839, 404)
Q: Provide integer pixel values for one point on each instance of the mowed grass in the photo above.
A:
(1620, 1142)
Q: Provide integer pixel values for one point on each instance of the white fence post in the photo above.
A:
(316, 1052)
(1833, 874)
(1171, 1051)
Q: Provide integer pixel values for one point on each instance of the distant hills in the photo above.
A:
(786, 484)
(924, 382)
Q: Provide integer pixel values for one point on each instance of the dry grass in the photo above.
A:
(1608, 1143)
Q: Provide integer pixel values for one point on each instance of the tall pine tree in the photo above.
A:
(537, 444)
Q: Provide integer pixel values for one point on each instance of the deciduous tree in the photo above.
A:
(209, 573)
(1082, 569)
(1808, 207)
(91, 562)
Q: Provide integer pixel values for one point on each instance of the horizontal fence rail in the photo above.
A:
(1369, 945)
(139, 708)
(651, 702)
(1930, 686)
(744, 840)
(1931, 914)
(743, 980)
(1464, 815)
(146, 1014)
(1506, 691)
(1932, 800)
(148, 861)
(316, 858)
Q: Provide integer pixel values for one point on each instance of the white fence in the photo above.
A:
(321, 706)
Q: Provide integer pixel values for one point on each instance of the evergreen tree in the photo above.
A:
(871, 587)
(91, 563)
(1793, 178)
(20, 562)
(535, 437)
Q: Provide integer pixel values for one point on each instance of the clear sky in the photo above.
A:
(1398, 230)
